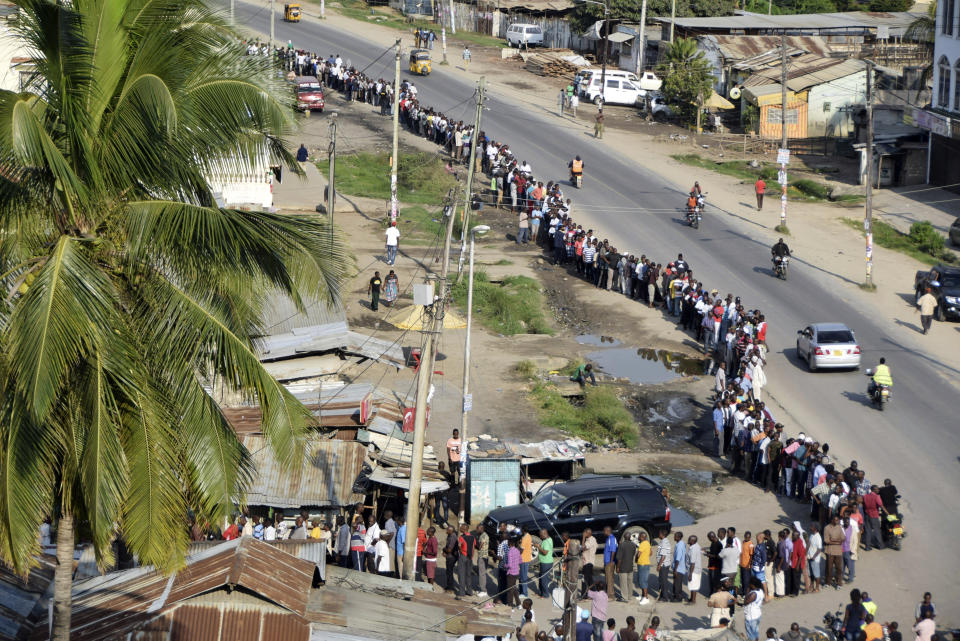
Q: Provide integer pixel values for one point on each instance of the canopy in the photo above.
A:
(413, 318)
(716, 101)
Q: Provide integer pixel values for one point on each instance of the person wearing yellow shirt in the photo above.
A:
(643, 567)
(526, 556)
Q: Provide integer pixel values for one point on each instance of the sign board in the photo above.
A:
(467, 402)
(783, 156)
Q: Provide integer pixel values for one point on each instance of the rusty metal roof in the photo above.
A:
(21, 598)
(740, 48)
(808, 71)
(116, 604)
(325, 478)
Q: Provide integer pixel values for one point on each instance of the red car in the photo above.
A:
(309, 94)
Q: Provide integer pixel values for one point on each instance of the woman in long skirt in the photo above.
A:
(391, 288)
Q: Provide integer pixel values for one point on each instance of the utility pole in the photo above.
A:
(673, 16)
(233, 21)
(331, 189)
(783, 127)
(395, 158)
(443, 34)
(420, 418)
(473, 162)
(769, 7)
(643, 38)
(272, 33)
(453, 20)
(868, 201)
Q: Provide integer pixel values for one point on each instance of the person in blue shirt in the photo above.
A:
(584, 628)
(718, 420)
(399, 541)
(679, 566)
(609, 560)
(257, 528)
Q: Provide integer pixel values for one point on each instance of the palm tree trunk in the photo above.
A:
(63, 579)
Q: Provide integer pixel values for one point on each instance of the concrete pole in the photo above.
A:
(465, 409)
(272, 32)
(673, 16)
(395, 158)
(606, 49)
(783, 123)
(481, 89)
(233, 21)
(868, 202)
(420, 419)
(643, 37)
(453, 20)
(331, 189)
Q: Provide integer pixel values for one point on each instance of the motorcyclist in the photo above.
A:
(780, 249)
(881, 376)
(576, 167)
(696, 191)
(691, 203)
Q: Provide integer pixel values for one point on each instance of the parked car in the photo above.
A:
(617, 91)
(526, 34)
(944, 283)
(589, 75)
(828, 346)
(309, 93)
(649, 82)
(627, 504)
(954, 233)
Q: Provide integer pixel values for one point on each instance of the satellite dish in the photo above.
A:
(735, 93)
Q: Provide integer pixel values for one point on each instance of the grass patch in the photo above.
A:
(418, 223)
(868, 287)
(526, 369)
(421, 178)
(514, 306)
(918, 244)
(802, 189)
(601, 418)
(782, 229)
(504, 261)
(387, 17)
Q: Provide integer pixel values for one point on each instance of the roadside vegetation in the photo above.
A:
(513, 306)
(601, 418)
(923, 242)
(421, 177)
(802, 189)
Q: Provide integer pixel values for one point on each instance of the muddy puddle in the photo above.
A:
(597, 340)
(643, 366)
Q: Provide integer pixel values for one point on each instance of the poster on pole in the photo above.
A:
(783, 156)
(782, 177)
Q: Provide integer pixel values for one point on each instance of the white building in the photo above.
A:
(15, 67)
(943, 119)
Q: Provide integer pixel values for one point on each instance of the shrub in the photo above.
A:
(926, 238)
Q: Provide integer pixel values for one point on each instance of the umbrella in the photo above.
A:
(716, 101)
(413, 318)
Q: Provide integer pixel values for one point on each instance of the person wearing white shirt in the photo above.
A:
(815, 556)
(270, 532)
(393, 240)
(383, 556)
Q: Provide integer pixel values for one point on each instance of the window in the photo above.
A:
(613, 84)
(943, 82)
(610, 505)
(773, 116)
(948, 8)
(956, 86)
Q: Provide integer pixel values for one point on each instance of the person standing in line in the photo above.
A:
(589, 546)
(430, 551)
(599, 600)
(454, 446)
(664, 561)
(630, 633)
(728, 561)
(513, 573)
(722, 601)
(357, 547)
(574, 103)
(523, 227)
(570, 570)
(625, 558)
(798, 563)
(760, 187)
(393, 240)
(466, 58)
(598, 124)
(746, 558)
(834, 538)
(752, 607)
(695, 563)
(483, 553)
(609, 560)
(681, 560)
(382, 553)
(399, 542)
(545, 553)
(925, 627)
(465, 562)
(642, 577)
(851, 544)
(526, 558)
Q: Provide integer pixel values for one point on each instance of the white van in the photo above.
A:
(527, 34)
(594, 74)
(618, 90)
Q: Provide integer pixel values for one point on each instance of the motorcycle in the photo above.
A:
(780, 264)
(695, 214)
(879, 394)
(576, 180)
(834, 623)
(891, 530)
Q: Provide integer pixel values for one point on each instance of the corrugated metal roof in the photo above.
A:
(807, 71)
(739, 48)
(333, 336)
(325, 478)
(21, 599)
(118, 603)
(851, 20)
(535, 5)
(281, 314)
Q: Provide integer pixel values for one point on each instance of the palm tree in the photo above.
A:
(924, 30)
(129, 296)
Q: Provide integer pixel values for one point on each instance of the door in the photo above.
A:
(612, 91)
(608, 509)
(575, 516)
(803, 341)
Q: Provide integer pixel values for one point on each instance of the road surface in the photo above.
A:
(916, 441)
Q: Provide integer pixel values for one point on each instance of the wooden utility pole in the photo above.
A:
(435, 312)
(478, 118)
(868, 201)
(783, 127)
(673, 16)
(394, 157)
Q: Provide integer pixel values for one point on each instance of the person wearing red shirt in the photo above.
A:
(872, 507)
(760, 187)
(232, 532)
(798, 562)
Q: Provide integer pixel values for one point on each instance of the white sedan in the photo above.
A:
(828, 345)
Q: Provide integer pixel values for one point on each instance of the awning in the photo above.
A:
(716, 101)
(620, 36)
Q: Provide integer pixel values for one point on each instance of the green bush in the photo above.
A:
(926, 238)
(811, 188)
(512, 307)
(526, 369)
(601, 418)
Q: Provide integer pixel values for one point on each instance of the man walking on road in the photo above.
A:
(466, 58)
(374, 290)
(760, 187)
(598, 127)
(925, 305)
(393, 240)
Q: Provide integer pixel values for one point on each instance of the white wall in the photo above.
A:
(252, 188)
(946, 46)
(10, 47)
(836, 95)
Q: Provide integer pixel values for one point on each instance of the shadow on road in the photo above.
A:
(859, 397)
(915, 328)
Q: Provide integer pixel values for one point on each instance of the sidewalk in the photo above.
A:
(903, 206)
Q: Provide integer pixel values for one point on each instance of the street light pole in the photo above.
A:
(868, 201)
(467, 398)
(606, 50)
(394, 158)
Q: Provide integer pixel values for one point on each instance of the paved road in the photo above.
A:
(915, 441)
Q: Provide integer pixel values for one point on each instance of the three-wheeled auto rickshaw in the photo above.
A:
(420, 61)
(291, 12)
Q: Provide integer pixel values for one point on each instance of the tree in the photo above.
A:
(687, 79)
(128, 294)
(924, 30)
(890, 5)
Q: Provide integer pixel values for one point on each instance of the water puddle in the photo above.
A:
(598, 340)
(669, 410)
(646, 365)
(680, 517)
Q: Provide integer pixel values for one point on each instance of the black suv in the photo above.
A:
(625, 503)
